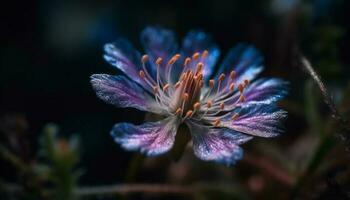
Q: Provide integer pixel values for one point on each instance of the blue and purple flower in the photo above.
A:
(223, 107)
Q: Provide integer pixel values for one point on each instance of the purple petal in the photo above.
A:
(197, 41)
(121, 92)
(245, 60)
(122, 55)
(263, 120)
(217, 144)
(262, 91)
(151, 138)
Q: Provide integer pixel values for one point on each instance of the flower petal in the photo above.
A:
(266, 91)
(198, 41)
(151, 138)
(245, 60)
(261, 91)
(122, 55)
(121, 92)
(159, 42)
(263, 120)
(217, 144)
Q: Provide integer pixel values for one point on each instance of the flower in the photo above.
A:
(222, 110)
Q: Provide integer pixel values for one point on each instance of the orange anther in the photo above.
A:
(195, 56)
(240, 88)
(221, 77)
(144, 58)
(142, 74)
(178, 111)
(166, 87)
(232, 87)
(196, 106)
(185, 96)
(189, 113)
(159, 61)
(217, 122)
(246, 82)
(205, 54)
(232, 74)
(241, 98)
(187, 61)
(211, 83)
(222, 105)
(235, 116)
(209, 104)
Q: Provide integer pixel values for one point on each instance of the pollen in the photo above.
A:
(178, 111)
(211, 83)
(241, 98)
(196, 106)
(187, 61)
(159, 61)
(221, 77)
(232, 74)
(217, 122)
(155, 89)
(189, 113)
(209, 104)
(195, 56)
(144, 58)
(222, 105)
(232, 87)
(246, 82)
(205, 54)
(240, 88)
(142, 74)
(166, 87)
(235, 116)
(185, 96)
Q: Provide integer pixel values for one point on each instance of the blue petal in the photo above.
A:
(159, 42)
(266, 90)
(121, 92)
(245, 60)
(122, 55)
(151, 138)
(198, 41)
(217, 144)
(263, 120)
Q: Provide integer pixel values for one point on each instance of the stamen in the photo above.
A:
(187, 60)
(205, 54)
(177, 84)
(159, 61)
(232, 74)
(240, 88)
(222, 105)
(195, 56)
(217, 122)
(185, 97)
(211, 83)
(246, 82)
(199, 67)
(196, 106)
(241, 98)
(144, 58)
(221, 77)
(155, 89)
(142, 74)
(232, 87)
(166, 87)
(209, 103)
(235, 116)
(189, 113)
(178, 111)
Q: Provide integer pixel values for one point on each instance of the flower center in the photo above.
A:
(183, 98)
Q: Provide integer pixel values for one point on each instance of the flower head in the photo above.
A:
(222, 109)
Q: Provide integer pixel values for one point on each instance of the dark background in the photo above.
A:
(49, 49)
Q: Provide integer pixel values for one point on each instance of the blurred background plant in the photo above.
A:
(50, 48)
